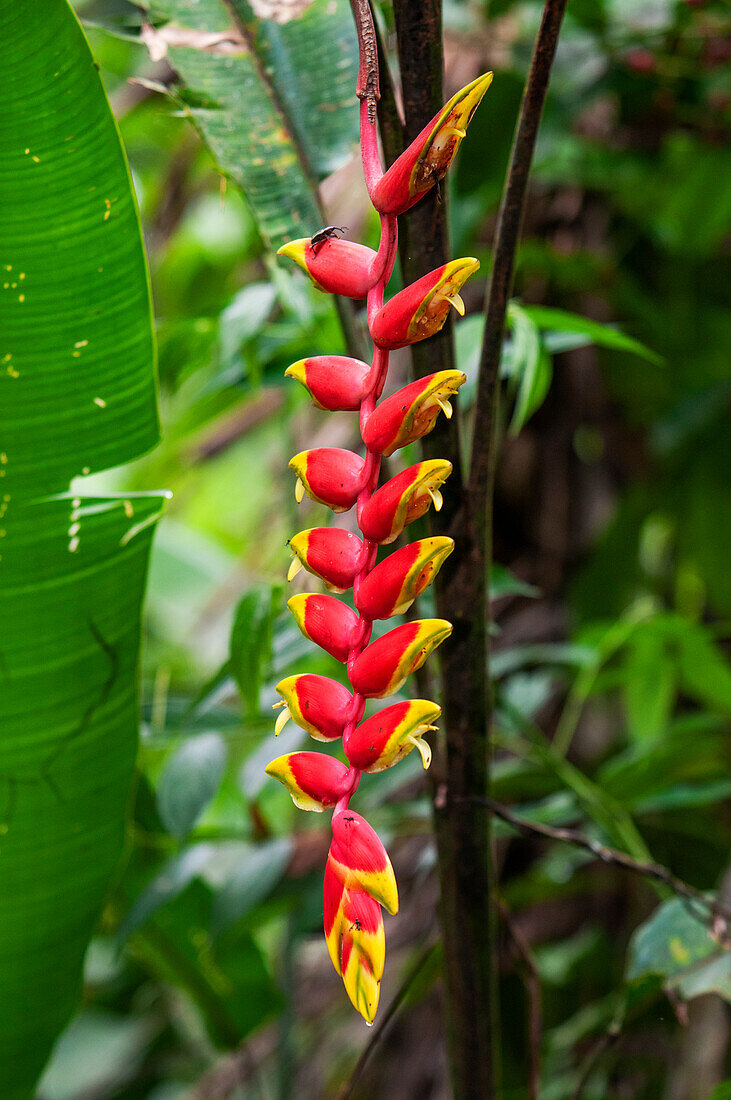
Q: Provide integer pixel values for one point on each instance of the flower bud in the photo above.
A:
(420, 310)
(403, 499)
(391, 588)
(428, 157)
(382, 667)
(314, 780)
(390, 734)
(329, 475)
(335, 266)
(411, 412)
(333, 555)
(327, 622)
(316, 703)
(334, 382)
(358, 858)
(355, 941)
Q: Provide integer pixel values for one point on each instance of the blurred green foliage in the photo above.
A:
(614, 689)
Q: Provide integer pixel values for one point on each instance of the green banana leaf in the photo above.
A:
(77, 394)
(277, 108)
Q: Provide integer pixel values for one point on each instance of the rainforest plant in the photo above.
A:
(359, 878)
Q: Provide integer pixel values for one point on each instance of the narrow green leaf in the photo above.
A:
(560, 320)
(531, 367)
(251, 641)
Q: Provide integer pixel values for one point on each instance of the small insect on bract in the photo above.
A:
(327, 234)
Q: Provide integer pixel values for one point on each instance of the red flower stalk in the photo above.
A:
(359, 879)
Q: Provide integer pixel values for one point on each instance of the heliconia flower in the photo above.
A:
(411, 412)
(329, 475)
(428, 157)
(390, 734)
(403, 499)
(334, 382)
(358, 858)
(327, 622)
(382, 667)
(335, 266)
(314, 780)
(355, 940)
(316, 703)
(391, 588)
(333, 555)
(420, 310)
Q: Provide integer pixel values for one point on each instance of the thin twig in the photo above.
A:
(385, 1021)
(532, 982)
(719, 913)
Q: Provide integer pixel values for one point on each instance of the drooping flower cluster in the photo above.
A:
(359, 878)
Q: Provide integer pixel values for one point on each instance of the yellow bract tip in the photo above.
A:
(297, 370)
(295, 250)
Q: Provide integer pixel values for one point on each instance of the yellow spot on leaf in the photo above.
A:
(679, 951)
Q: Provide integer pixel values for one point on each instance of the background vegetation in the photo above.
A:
(610, 604)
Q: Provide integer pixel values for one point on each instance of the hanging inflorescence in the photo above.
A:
(359, 878)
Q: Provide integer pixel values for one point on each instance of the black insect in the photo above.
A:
(329, 233)
(356, 924)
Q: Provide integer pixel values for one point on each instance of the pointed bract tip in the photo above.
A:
(297, 370)
(295, 250)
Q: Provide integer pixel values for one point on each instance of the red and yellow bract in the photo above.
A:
(359, 878)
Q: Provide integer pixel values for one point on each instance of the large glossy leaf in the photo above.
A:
(277, 108)
(77, 394)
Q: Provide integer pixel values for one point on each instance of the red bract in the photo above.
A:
(314, 780)
(333, 555)
(403, 499)
(334, 382)
(359, 879)
(411, 412)
(390, 734)
(337, 267)
(327, 622)
(316, 703)
(330, 476)
(393, 585)
(382, 668)
(428, 157)
(420, 310)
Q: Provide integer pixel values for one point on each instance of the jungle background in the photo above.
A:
(208, 976)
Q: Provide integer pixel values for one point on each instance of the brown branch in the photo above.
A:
(718, 912)
(510, 216)
(532, 982)
(386, 1020)
(466, 910)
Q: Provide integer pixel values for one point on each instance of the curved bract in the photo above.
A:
(359, 879)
